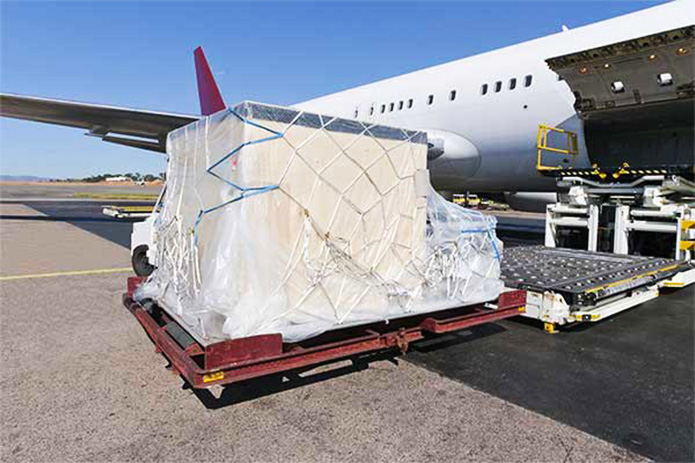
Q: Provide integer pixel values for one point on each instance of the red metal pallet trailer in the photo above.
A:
(241, 359)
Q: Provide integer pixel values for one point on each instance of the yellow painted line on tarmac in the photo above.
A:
(65, 274)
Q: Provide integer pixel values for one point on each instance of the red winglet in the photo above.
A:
(210, 98)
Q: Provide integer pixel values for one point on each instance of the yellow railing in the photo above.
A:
(568, 148)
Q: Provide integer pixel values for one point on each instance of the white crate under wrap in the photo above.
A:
(281, 221)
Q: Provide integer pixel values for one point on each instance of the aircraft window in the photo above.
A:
(383, 108)
(390, 107)
(498, 86)
(452, 95)
(430, 99)
(357, 112)
(483, 89)
(410, 103)
(528, 80)
(400, 105)
(371, 110)
(512, 83)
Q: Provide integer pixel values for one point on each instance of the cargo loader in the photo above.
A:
(567, 286)
(636, 104)
(624, 226)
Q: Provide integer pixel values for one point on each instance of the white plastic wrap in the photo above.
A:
(282, 221)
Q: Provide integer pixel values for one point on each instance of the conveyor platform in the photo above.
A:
(569, 285)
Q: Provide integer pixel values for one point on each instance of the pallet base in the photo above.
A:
(237, 360)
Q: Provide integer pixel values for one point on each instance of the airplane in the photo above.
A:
(481, 113)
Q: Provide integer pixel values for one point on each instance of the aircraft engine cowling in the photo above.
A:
(451, 156)
(529, 201)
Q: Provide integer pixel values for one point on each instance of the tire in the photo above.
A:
(141, 265)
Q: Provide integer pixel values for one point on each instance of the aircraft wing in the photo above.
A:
(132, 127)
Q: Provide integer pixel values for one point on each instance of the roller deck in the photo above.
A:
(570, 285)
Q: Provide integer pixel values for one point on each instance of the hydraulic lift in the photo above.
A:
(636, 103)
(620, 230)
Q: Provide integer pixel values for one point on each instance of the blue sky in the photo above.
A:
(139, 54)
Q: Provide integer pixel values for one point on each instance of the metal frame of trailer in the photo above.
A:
(236, 360)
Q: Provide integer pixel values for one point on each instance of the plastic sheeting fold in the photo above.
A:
(281, 221)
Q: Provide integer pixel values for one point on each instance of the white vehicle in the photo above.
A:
(143, 243)
(142, 246)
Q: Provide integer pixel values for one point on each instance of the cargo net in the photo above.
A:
(281, 221)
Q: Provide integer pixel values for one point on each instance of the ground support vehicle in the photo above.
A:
(626, 217)
(127, 212)
(142, 246)
(467, 200)
(636, 104)
(566, 286)
(635, 101)
(204, 364)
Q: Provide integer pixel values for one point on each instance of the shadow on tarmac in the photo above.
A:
(273, 384)
(58, 218)
(627, 379)
(256, 388)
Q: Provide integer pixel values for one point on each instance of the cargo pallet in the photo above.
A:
(236, 360)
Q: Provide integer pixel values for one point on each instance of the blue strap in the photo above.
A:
(246, 192)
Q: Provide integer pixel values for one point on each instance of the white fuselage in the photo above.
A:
(499, 127)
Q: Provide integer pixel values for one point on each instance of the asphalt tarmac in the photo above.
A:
(81, 381)
(69, 191)
(88, 216)
(504, 391)
(628, 379)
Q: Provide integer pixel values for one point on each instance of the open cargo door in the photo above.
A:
(636, 102)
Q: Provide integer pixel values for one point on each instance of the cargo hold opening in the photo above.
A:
(635, 99)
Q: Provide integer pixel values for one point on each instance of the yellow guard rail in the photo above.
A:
(568, 148)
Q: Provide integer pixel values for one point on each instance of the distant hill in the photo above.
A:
(23, 178)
